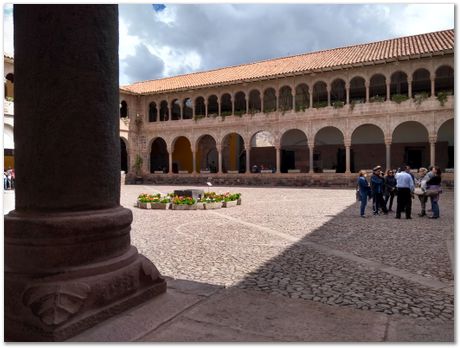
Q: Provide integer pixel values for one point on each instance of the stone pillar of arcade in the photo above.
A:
(69, 262)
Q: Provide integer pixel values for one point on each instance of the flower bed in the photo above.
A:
(183, 203)
(146, 201)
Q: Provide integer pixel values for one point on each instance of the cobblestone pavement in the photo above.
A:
(309, 244)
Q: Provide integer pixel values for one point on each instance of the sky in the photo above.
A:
(164, 40)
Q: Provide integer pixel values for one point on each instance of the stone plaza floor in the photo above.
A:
(307, 244)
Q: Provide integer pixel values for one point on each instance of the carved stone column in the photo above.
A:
(247, 103)
(170, 161)
(433, 87)
(388, 91)
(367, 92)
(169, 110)
(218, 106)
(233, 103)
(347, 92)
(328, 95)
(311, 148)
(206, 107)
(432, 150)
(409, 89)
(347, 144)
(278, 158)
(311, 97)
(388, 153)
(69, 263)
(248, 161)
(194, 162)
(219, 158)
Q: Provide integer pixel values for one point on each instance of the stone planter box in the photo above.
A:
(232, 172)
(184, 206)
(293, 170)
(158, 205)
(212, 205)
(183, 171)
(200, 206)
(144, 205)
(229, 204)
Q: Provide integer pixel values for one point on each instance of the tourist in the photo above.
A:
(433, 189)
(405, 188)
(8, 174)
(390, 188)
(13, 179)
(377, 188)
(364, 191)
(419, 191)
(5, 180)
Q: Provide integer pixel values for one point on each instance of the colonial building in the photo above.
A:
(298, 118)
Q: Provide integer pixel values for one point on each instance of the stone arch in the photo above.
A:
(153, 112)
(377, 87)
(329, 150)
(124, 154)
(410, 145)
(226, 104)
(159, 156)
(358, 90)
(302, 97)
(294, 151)
(187, 109)
(200, 109)
(445, 142)
(285, 96)
(213, 105)
(263, 152)
(240, 103)
(320, 99)
(175, 110)
(398, 84)
(206, 154)
(444, 79)
(338, 92)
(123, 109)
(233, 153)
(367, 147)
(255, 104)
(182, 158)
(164, 111)
(421, 82)
(269, 100)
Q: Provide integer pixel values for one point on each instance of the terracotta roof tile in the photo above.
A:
(303, 63)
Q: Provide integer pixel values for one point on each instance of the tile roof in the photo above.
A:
(416, 45)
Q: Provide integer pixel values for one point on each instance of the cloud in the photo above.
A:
(143, 65)
(8, 44)
(207, 36)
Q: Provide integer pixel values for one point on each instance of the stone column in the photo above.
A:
(206, 108)
(194, 162)
(158, 113)
(433, 87)
(219, 158)
(69, 263)
(248, 161)
(262, 102)
(311, 97)
(233, 103)
(278, 158)
(293, 97)
(170, 163)
(367, 92)
(409, 88)
(388, 153)
(347, 144)
(247, 103)
(311, 148)
(432, 150)
(347, 92)
(181, 111)
(193, 109)
(277, 95)
(388, 92)
(218, 106)
(328, 95)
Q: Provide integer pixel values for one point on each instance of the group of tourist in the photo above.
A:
(382, 189)
(9, 179)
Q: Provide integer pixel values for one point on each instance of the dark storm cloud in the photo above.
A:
(231, 34)
(143, 65)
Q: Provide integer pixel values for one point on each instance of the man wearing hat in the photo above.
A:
(377, 187)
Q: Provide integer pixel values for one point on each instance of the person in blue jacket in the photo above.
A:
(364, 191)
(377, 187)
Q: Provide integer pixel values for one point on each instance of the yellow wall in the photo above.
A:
(182, 154)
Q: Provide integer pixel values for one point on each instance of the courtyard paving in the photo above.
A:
(307, 244)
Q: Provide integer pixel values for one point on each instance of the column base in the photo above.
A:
(55, 307)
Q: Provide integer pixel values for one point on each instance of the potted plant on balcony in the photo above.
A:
(442, 96)
(399, 98)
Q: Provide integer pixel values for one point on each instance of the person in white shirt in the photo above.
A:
(405, 186)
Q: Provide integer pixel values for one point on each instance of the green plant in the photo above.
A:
(239, 113)
(376, 99)
(138, 165)
(300, 107)
(10, 99)
(420, 97)
(319, 104)
(399, 98)
(183, 200)
(338, 104)
(442, 96)
(267, 111)
(197, 117)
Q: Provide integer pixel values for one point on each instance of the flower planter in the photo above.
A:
(143, 205)
(158, 205)
(184, 207)
(200, 206)
(229, 204)
(212, 205)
